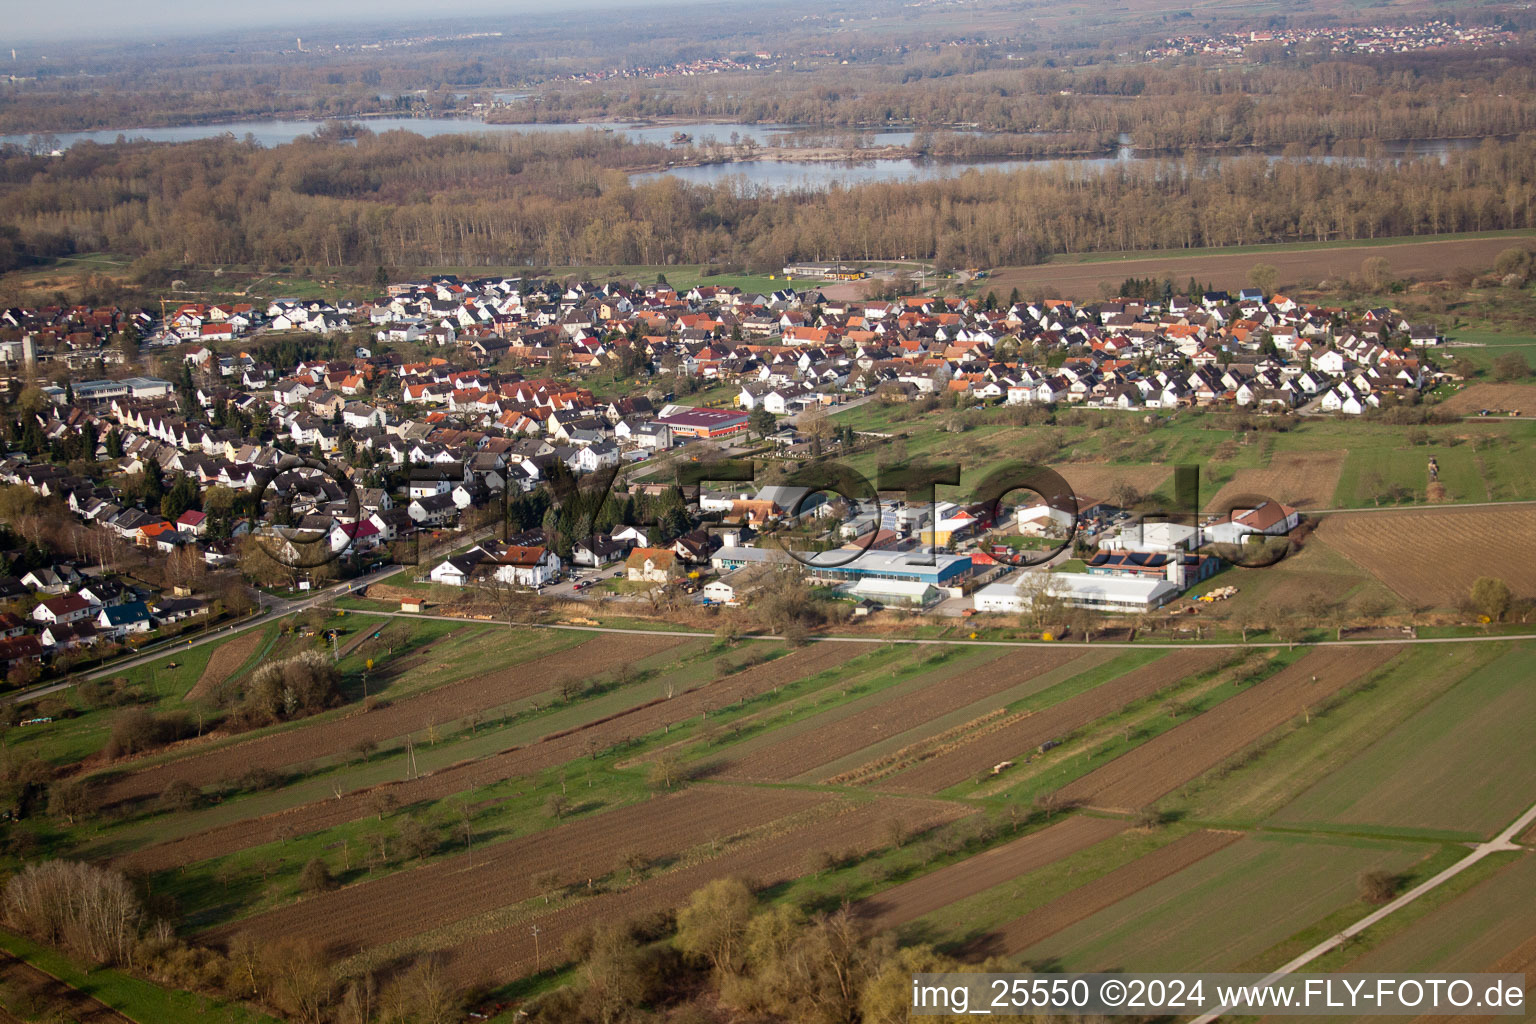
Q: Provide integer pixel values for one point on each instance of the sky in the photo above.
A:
(30, 23)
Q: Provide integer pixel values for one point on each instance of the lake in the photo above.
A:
(752, 175)
(276, 133)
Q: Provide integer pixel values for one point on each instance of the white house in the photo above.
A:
(527, 566)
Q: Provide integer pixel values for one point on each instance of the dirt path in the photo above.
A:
(551, 750)
(1192, 748)
(1121, 883)
(225, 662)
(937, 889)
(969, 759)
(435, 707)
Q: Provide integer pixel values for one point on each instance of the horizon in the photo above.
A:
(98, 20)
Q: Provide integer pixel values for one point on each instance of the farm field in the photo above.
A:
(886, 717)
(1497, 398)
(1421, 258)
(831, 773)
(384, 910)
(1175, 757)
(1224, 911)
(1431, 772)
(1475, 931)
(436, 707)
(975, 756)
(1100, 894)
(911, 900)
(1300, 479)
(227, 659)
(21, 985)
(1451, 549)
(504, 953)
(1096, 481)
(548, 752)
(1312, 751)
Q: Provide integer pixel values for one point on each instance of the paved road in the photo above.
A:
(1500, 843)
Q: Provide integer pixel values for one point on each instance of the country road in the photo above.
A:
(1500, 843)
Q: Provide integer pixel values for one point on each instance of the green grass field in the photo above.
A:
(1471, 932)
(1222, 911)
(1290, 763)
(1432, 772)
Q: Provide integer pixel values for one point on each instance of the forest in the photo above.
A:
(1160, 107)
(399, 200)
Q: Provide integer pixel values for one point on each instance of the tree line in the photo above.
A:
(401, 200)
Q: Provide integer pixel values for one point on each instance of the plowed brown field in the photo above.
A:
(1043, 922)
(1095, 480)
(439, 706)
(383, 910)
(68, 1003)
(1302, 479)
(1184, 752)
(885, 718)
(1503, 398)
(508, 953)
(976, 757)
(1430, 258)
(1433, 556)
(911, 900)
(229, 656)
(554, 750)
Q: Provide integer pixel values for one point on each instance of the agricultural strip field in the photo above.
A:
(969, 759)
(911, 900)
(42, 989)
(1225, 911)
(1309, 752)
(1435, 770)
(1503, 398)
(1521, 961)
(1301, 479)
(1433, 556)
(1472, 932)
(289, 747)
(1183, 753)
(507, 953)
(548, 752)
(379, 911)
(1426, 258)
(226, 661)
(1100, 894)
(884, 715)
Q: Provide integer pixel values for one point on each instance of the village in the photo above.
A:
(441, 426)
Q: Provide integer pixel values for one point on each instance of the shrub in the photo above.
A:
(316, 876)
